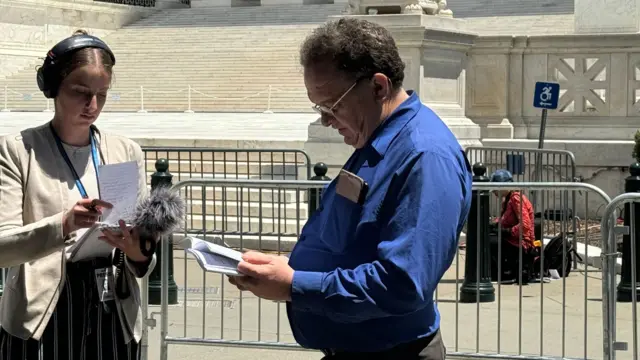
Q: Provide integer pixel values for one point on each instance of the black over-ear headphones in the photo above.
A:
(48, 76)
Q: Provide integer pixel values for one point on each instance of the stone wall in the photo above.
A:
(598, 112)
(29, 27)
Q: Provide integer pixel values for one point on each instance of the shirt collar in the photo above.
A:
(384, 135)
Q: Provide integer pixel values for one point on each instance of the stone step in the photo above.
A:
(265, 210)
(284, 107)
(236, 224)
(262, 31)
(251, 169)
(193, 41)
(224, 34)
(266, 10)
(221, 18)
(241, 52)
(153, 51)
(293, 88)
(159, 107)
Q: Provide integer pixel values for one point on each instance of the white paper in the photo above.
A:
(119, 187)
(214, 258)
(89, 246)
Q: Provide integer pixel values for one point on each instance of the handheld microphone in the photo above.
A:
(156, 215)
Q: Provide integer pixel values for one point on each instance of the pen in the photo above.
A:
(93, 206)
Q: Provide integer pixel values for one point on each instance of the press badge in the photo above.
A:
(352, 187)
(103, 282)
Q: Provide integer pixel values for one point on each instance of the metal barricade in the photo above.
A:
(617, 338)
(265, 215)
(550, 317)
(548, 165)
(230, 163)
(226, 163)
(539, 165)
(543, 320)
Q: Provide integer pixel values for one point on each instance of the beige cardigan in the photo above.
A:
(33, 198)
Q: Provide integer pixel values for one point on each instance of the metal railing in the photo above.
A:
(263, 164)
(145, 3)
(277, 234)
(534, 165)
(143, 99)
(552, 319)
(207, 207)
(548, 165)
(617, 338)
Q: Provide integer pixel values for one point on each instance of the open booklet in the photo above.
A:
(118, 186)
(213, 257)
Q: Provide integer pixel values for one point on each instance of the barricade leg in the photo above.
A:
(627, 285)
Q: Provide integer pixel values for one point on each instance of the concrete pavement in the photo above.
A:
(221, 311)
(180, 129)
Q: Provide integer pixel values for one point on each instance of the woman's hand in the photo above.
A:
(128, 241)
(83, 214)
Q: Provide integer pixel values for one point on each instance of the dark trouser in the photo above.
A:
(80, 328)
(429, 348)
(510, 259)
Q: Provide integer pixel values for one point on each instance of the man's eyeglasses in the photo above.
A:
(328, 111)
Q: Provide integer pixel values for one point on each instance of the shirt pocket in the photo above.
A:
(341, 223)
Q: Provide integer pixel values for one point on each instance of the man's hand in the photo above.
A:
(267, 276)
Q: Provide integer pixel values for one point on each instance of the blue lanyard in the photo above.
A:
(94, 156)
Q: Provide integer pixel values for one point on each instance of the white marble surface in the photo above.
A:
(28, 27)
(607, 16)
(212, 126)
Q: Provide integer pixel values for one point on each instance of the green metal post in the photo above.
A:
(162, 177)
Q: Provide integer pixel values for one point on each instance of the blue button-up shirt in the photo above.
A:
(365, 274)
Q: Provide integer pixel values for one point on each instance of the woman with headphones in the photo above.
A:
(52, 307)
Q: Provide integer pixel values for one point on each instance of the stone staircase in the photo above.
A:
(267, 219)
(490, 8)
(204, 59)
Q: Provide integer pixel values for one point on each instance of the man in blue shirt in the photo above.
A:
(361, 279)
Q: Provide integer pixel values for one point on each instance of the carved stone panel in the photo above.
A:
(487, 85)
(633, 105)
(584, 83)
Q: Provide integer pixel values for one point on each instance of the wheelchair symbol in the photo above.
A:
(545, 95)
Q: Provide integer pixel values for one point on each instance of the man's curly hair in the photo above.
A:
(357, 47)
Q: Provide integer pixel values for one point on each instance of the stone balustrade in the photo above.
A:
(598, 75)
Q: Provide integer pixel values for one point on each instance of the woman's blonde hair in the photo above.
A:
(80, 32)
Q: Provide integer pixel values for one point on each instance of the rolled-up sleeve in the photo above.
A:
(418, 243)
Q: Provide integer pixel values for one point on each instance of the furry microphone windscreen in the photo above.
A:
(160, 213)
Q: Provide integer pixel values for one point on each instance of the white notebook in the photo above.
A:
(212, 257)
(89, 246)
(119, 186)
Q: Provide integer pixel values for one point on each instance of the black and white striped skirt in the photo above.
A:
(81, 326)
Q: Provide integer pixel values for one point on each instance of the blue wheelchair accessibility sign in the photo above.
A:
(546, 95)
